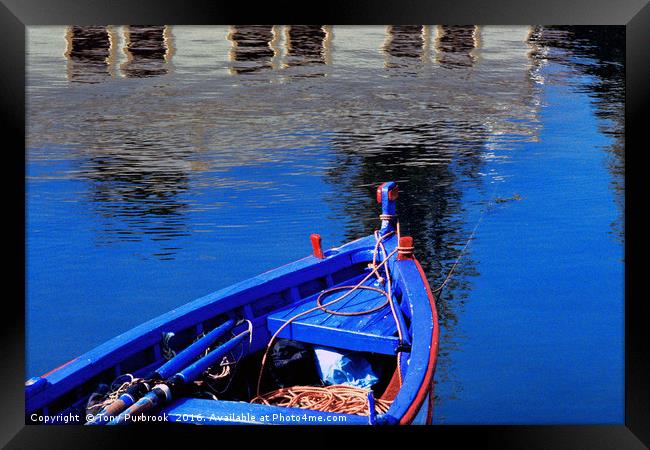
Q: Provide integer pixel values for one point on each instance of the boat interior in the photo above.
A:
(263, 305)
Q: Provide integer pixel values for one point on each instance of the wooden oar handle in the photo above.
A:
(141, 406)
(108, 413)
(120, 404)
(115, 408)
(159, 394)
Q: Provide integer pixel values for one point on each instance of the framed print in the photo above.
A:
(422, 228)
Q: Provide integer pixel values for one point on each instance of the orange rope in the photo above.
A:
(337, 398)
(352, 313)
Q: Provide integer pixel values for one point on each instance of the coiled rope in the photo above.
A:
(337, 398)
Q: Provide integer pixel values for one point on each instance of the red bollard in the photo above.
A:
(405, 248)
(316, 245)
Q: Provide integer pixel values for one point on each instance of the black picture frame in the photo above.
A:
(15, 15)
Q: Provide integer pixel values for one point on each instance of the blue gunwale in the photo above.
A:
(423, 326)
(237, 299)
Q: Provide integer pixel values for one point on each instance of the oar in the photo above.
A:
(190, 353)
(162, 392)
(124, 401)
(171, 367)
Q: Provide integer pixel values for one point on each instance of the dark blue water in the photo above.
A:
(165, 163)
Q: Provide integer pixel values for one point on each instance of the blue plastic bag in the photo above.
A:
(350, 368)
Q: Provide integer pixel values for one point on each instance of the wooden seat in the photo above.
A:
(375, 332)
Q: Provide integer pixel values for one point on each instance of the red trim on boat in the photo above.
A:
(393, 387)
(393, 193)
(425, 387)
(57, 368)
(430, 406)
(405, 248)
(379, 189)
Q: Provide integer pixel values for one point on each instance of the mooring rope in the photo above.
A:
(471, 237)
(460, 255)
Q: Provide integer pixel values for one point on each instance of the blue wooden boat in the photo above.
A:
(369, 297)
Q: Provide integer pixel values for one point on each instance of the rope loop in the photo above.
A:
(352, 313)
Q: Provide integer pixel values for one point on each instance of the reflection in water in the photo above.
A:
(254, 47)
(393, 143)
(148, 50)
(258, 47)
(308, 45)
(436, 158)
(435, 221)
(538, 53)
(88, 53)
(455, 45)
(405, 43)
(431, 207)
(93, 52)
(136, 194)
(597, 52)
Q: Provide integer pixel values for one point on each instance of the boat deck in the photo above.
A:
(375, 332)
